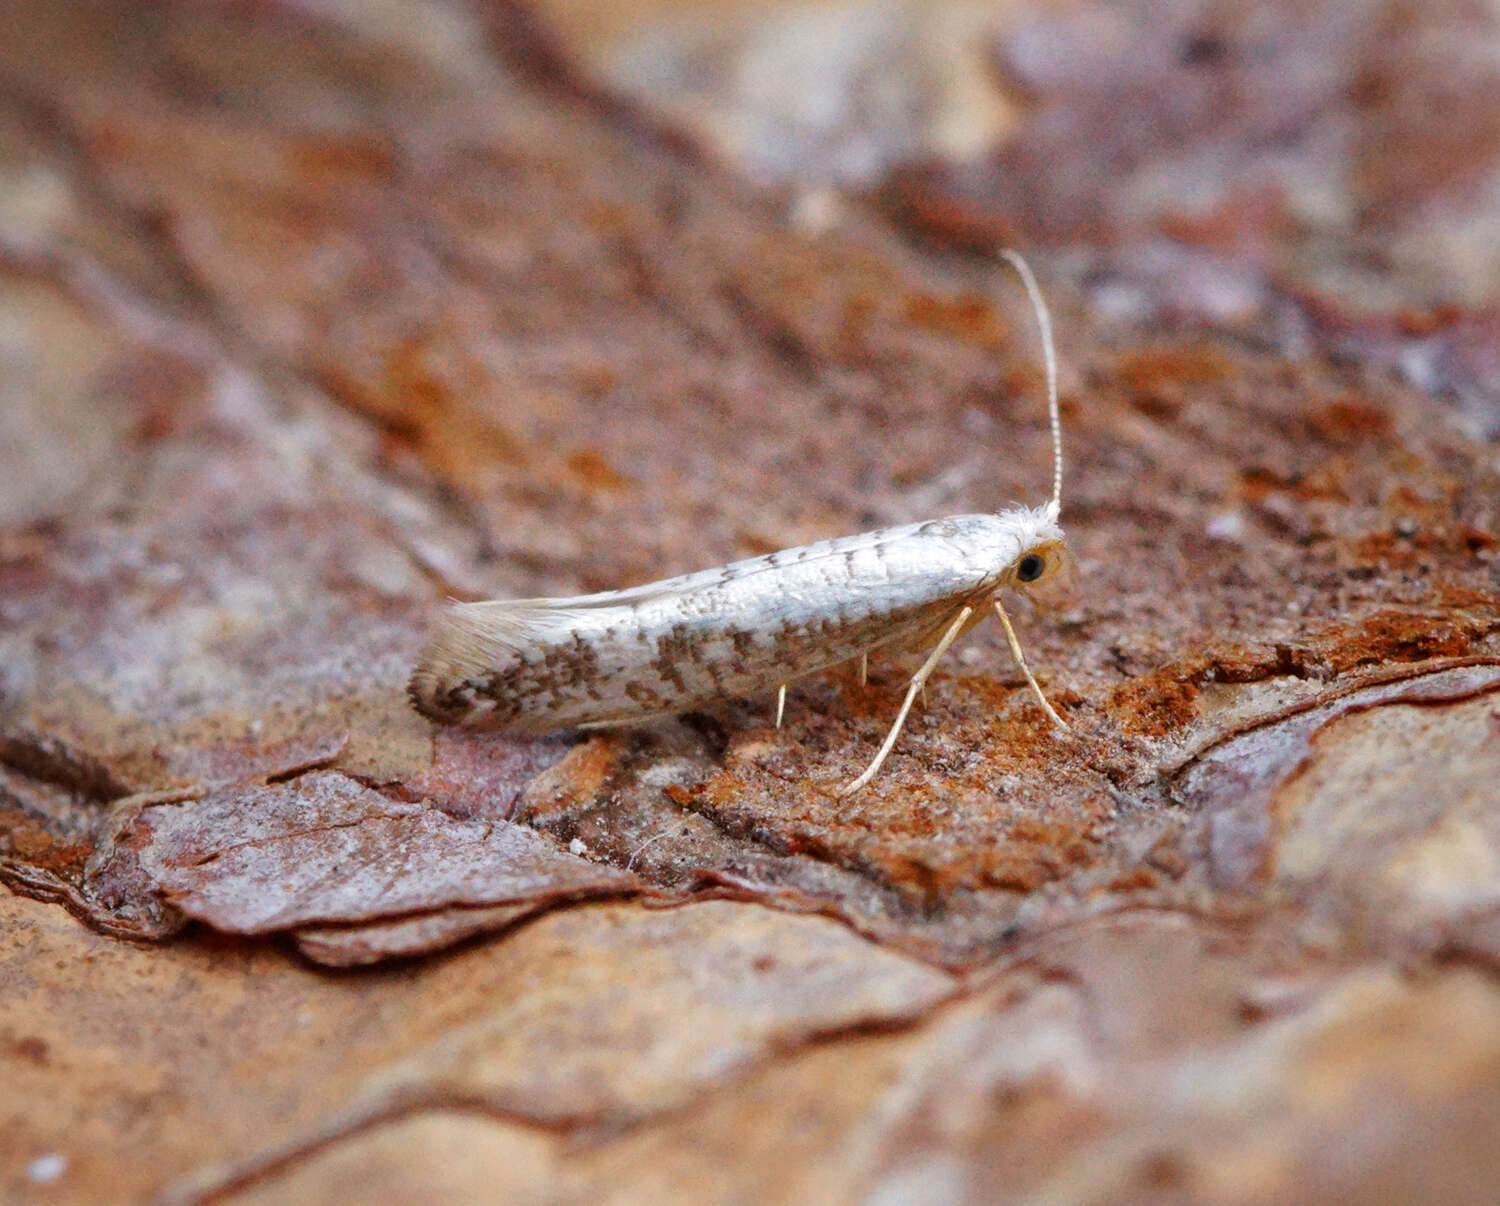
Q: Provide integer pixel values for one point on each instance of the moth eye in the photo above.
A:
(1030, 567)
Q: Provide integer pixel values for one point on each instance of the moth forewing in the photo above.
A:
(535, 665)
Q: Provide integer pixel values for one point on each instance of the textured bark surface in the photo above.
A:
(312, 315)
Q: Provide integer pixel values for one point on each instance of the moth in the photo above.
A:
(535, 665)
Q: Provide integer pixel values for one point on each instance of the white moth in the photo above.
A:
(534, 665)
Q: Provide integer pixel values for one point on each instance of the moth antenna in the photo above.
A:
(1049, 354)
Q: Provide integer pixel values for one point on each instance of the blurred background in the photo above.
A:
(1315, 175)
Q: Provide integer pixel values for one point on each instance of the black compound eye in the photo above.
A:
(1030, 567)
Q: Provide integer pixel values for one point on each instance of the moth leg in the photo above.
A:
(1015, 652)
(864, 669)
(911, 693)
(780, 703)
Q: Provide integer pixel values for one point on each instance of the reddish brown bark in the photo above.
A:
(308, 322)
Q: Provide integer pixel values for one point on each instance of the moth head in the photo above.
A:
(1043, 567)
(1039, 563)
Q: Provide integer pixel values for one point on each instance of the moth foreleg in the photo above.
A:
(1015, 652)
(780, 703)
(911, 694)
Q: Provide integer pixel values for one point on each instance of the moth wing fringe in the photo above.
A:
(467, 644)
